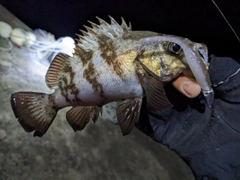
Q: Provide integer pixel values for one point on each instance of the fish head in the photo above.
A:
(166, 60)
(195, 57)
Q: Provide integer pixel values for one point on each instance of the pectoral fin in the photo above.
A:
(79, 116)
(154, 90)
(155, 93)
(128, 112)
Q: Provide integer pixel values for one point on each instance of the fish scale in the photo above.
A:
(110, 63)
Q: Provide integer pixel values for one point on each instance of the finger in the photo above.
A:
(187, 86)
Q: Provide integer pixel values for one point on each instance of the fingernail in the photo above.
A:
(189, 88)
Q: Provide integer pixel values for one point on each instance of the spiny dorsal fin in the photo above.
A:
(57, 66)
(97, 33)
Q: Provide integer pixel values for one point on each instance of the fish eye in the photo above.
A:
(173, 47)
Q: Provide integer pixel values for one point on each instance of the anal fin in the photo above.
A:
(128, 112)
(79, 116)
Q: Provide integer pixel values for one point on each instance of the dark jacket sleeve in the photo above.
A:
(208, 139)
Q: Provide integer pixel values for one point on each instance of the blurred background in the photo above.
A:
(99, 151)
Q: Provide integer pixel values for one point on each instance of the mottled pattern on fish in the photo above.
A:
(109, 64)
(104, 64)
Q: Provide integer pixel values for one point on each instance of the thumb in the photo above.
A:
(187, 86)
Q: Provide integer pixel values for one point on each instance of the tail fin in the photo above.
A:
(35, 111)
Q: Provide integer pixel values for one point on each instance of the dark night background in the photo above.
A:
(197, 20)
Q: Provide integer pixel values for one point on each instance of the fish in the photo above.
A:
(111, 63)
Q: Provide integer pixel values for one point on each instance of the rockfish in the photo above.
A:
(111, 63)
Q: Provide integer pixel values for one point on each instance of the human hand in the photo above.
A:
(187, 86)
(208, 139)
